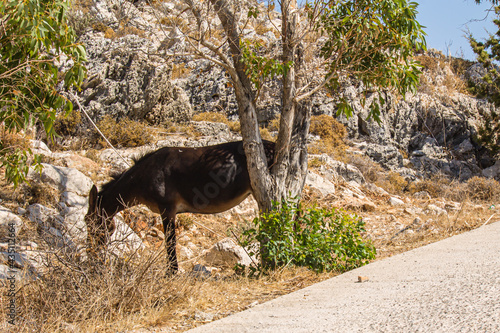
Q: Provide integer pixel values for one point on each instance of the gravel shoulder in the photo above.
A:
(449, 286)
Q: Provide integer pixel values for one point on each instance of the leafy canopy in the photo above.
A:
(35, 41)
(374, 42)
(488, 54)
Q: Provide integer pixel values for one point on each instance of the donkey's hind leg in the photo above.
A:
(168, 217)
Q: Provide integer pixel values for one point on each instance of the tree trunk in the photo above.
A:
(288, 173)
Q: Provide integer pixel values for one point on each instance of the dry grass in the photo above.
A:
(371, 171)
(332, 134)
(124, 133)
(129, 292)
(262, 28)
(67, 125)
(11, 141)
(392, 182)
(133, 292)
(451, 68)
(475, 189)
(41, 193)
(184, 129)
(216, 117)
(213, 117)
(124, 29)
(180, 71)
(174, 21)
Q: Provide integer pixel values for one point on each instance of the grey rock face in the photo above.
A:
(338, 171)
(436, 127)
(123, 81)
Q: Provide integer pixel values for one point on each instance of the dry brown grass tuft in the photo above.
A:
(213, 117)
(392, 182)
(67, 125)
(41, 193)
(451, 68)
(124, 133)
(483, 189)
(216, 117)
(371, 170)
(180, 71)
(12, 141)
(174, 21)
(332, 134)
(475, 189)
(265, 134)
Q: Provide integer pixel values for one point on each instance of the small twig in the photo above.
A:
(214, 232)
(488, 220)
(239, 243)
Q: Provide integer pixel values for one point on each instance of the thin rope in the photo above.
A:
(98, 130)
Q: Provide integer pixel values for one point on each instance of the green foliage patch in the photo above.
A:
(373, 41)
(35, 40)
(317, 238)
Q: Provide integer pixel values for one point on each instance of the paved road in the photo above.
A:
(449, 286)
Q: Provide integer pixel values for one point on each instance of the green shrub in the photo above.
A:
(319, 239)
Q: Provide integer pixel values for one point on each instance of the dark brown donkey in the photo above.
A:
(203, 180)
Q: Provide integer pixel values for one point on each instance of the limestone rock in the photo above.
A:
(63, 226)
(493, 171)
(10, 224)
(321, 184)
(227, 253)
(63, 179)
(124, 240)
(123, 81)
(393, 201)
(336, 171)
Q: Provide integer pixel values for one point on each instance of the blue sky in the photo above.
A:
(446, 21)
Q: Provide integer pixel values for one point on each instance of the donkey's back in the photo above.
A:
(197, 180)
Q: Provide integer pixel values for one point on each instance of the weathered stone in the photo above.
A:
(337, 171)
(396, 202)
(63, 179)
(185, 252)
(227, 253)
(321, 184)
(433, 209)
(124, 81)
(207, 128)
(422, 195)
(124, 240)
(10, 224)
(493, 171)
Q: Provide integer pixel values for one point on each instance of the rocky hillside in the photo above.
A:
(135, 72)
(420, 175)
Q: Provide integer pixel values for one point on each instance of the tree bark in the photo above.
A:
(289, 170)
